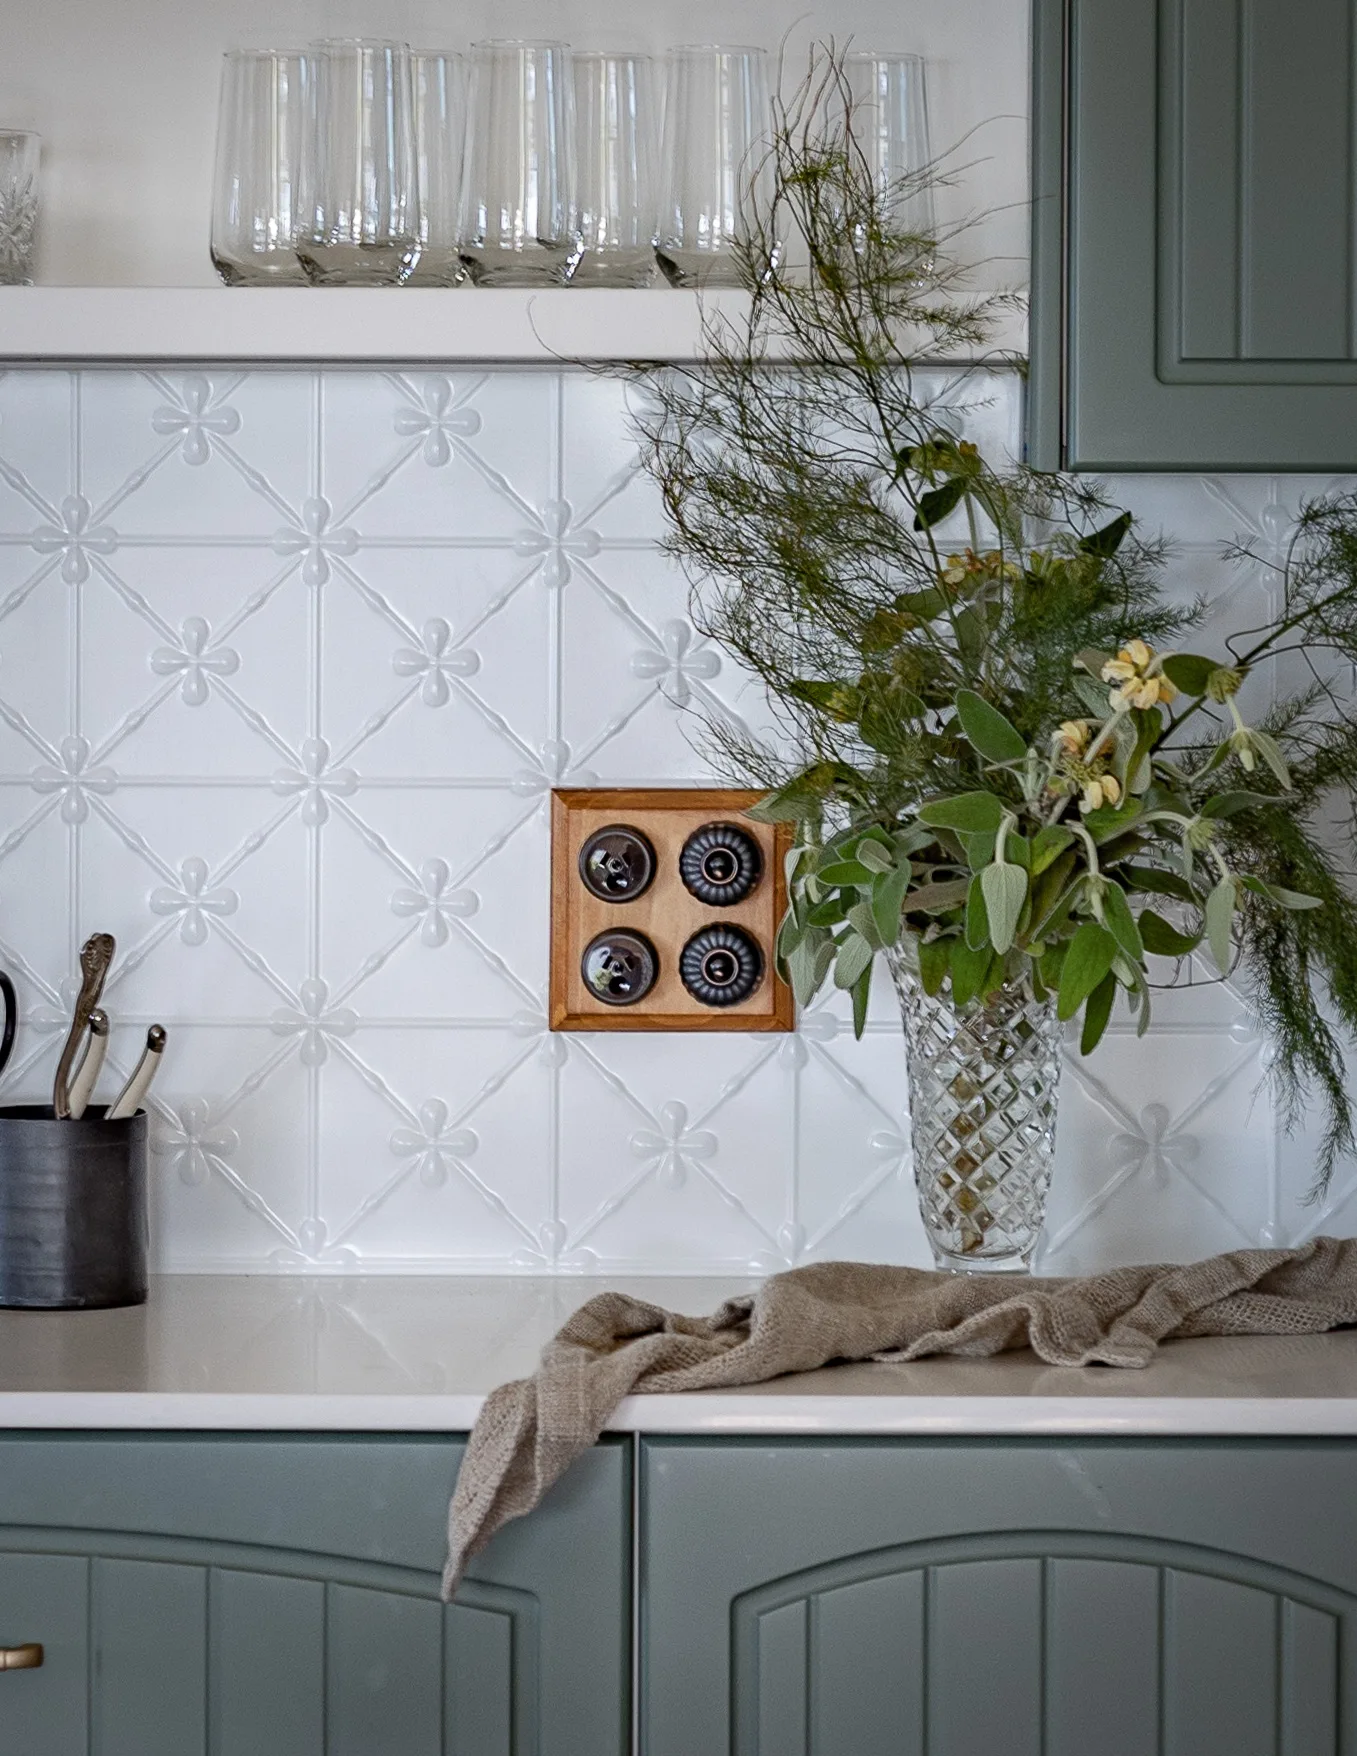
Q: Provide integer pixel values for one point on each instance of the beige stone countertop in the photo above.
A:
(407, 1353)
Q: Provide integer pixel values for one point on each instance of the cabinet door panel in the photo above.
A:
(266, 1682)
(479, 1666)
(252, 1597)
(148, 1623)
(1194, 271)
(44, 1598)
(873, 1598)
(1085, 1668)
(872, 1629)
(385, 1665)
(983, 1655)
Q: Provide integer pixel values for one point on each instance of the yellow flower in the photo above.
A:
(1135, 683)
(1105, 789)
(1143, 692)
(1132, 661)
(1072, 737)
(955, 570)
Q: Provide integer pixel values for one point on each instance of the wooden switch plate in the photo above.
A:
(666, 913)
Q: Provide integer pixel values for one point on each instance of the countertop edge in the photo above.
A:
(715, 1415)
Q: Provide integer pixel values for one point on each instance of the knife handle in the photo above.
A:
(87, 1073)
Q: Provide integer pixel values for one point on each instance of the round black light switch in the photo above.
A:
(619, 968)
(720, 966)
(617, 863)
(720, 864)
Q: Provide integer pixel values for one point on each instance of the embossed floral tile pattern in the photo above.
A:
(288, 665)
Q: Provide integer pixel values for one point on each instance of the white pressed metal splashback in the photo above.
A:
(288, 664)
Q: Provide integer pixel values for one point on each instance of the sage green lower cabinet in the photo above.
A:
(242, 1596)
(988, 1598)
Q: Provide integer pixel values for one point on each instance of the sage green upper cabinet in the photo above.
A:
(1025, 1598)
(1194, 235)
(279, 1597)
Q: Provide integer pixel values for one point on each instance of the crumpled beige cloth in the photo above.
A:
(529, 1431)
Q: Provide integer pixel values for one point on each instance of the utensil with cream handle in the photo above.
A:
(132, 1095)
(87, 1074)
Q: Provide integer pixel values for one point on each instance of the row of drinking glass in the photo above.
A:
(358, 163)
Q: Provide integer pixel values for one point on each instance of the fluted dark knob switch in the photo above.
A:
(720, 966)
(619, 968)
(617, 863)
(720, 864)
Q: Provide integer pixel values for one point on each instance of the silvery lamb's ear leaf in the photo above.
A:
(1121, 923)
(1049, 844)
(1097, 1011)
(872, 855)
(1189, 671)
(1230, 804)
(1293, 899)
(862, 995)
(990, 733)
(1093, 694)
(863, 922)
(935, 957)
(1268, 748)
(971, 813)
(888, 898)
(1163, 940)
(935, 506)
(1088, 959)
(1108, 540)
(1005, 891)
(1220, 924)
(854, 955)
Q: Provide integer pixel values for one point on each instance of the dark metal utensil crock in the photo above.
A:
(72, 1210)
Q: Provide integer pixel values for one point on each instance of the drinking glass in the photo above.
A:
(19, 151)
(519, 225)
(260, 124)
(439, 90)
(890, 127)
(361, 212)
(716, 128)
(615, 150)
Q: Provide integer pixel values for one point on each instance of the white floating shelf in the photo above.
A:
(361, 326)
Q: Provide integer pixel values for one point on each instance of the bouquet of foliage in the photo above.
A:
(1007, 761)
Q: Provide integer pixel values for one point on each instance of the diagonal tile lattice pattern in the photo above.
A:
(289, 663)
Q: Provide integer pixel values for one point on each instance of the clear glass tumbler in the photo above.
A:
(615, 153)
(361, 205)
(890, 128)
(716, 136)
(519, 225)
(260, 125)
(19, 152)
(439, 85)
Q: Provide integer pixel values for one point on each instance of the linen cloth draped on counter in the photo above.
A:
(529, 1431)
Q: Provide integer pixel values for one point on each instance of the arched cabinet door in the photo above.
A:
(958, 1599)
(280, 1598)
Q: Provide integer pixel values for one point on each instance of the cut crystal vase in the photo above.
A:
(984, 1083)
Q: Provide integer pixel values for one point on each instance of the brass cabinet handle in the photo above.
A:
(21, 1658)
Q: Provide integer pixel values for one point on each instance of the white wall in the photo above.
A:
(272, 646)
(125, 97)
